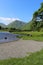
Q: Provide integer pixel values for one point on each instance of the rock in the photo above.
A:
(5, 38)
(29, 35)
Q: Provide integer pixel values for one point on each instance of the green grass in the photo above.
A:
(35, 35)
(32, 38)
(34, 59)
(4, 31)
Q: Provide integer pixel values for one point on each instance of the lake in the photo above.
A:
(7, 37)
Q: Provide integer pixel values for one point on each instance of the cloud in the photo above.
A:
(8, 19)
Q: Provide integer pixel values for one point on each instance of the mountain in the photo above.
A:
(27, 26)
(16, 24)
(2, 25)
(36, 24)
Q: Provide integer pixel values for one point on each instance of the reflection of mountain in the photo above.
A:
(16, 24)
(2, 25)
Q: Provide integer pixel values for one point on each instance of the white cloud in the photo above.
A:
(8, 19)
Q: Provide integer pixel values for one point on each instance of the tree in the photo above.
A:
(0, 27)
(35, 15)
(38, 19)
(41, 16)
(42, 5)
(38, 15)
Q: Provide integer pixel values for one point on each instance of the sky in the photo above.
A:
(23, 10)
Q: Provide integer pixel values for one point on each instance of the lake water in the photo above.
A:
(10, 37)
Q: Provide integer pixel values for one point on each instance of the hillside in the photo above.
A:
(27, 26)
(36, 23)
(16, 24)
(2, 25)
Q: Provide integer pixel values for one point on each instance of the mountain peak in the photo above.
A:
(16, 24)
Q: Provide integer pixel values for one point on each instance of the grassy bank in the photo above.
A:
(3, 31)
(34, 59)
(35, 35)
(38, 36)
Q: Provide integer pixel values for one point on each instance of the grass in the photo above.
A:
(35, 35)
(32, 38)
(3, 31)
(34, 59)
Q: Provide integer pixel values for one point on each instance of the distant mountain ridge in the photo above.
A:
(2, 25)
(16, 24)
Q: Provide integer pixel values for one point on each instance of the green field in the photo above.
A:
(34, 59)
(35, 35)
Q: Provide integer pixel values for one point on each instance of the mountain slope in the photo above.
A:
(16, 24)
(2, 25)
(37, 21)
(27, 26)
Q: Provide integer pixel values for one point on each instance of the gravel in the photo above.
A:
(19, 48)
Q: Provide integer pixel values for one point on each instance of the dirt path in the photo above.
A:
(19, 48)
